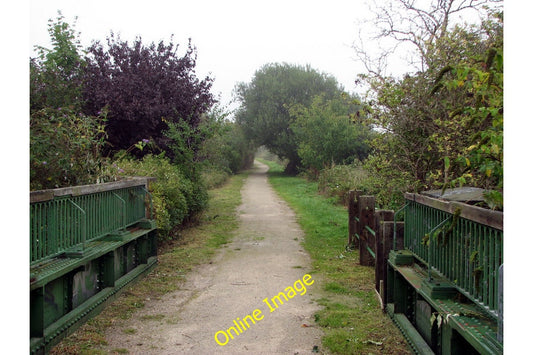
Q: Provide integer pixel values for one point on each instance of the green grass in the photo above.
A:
(351, 317)
(195, 245)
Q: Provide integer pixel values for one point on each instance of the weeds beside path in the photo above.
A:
(351, 317)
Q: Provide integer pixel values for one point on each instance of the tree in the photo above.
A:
(266, 100)
(226, 148)
(410, 30)
(144, 87)
(430, 119)
(479, 161)
(65, 144)
(328, 132)
(56, 74)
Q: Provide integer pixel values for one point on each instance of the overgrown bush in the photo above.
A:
(213, 176)
(65, 148)
(176, 199)
(226, 148)
(388, 188)
(338, 180)
(386, 184)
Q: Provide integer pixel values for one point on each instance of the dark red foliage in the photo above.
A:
(143, 86)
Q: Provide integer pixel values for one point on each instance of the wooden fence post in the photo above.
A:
(382, 217)
(399, 236)
(366, 218)
(353, 209)
(387, 239)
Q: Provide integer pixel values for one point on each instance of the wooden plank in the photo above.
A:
(477, 214)
(381, 217)
(46, 195)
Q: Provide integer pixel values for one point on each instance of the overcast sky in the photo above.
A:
(233, 38)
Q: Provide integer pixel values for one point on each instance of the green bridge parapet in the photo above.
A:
(86, 244)
(438, 268)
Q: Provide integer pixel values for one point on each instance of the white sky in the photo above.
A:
(233, 38)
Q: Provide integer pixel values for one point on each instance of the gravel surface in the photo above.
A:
(238, 289)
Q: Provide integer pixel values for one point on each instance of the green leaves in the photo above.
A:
(326, 134)
(267, 100)
(65, 148)
(55, 75)
(443, 126)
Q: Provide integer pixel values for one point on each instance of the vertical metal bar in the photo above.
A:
(123, 219)
(485, 265)
(476, 291)
(44, 232)
(489, 272)
(83, 225)
(85, 203)
(493, 268)
(472, 243)
(460, 260)
(498, 262)
(500, 304)
(58, 230)
(70, 236)
(441, 264)
(394, 219)
(32, 232)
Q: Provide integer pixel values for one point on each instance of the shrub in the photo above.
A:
(386, 183)
(176, 199)
(225, 147)
(65, 148)
(338, 180)
(213, 176)
(388, 188)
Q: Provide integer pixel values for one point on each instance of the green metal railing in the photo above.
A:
(61, 223)
(465, 251)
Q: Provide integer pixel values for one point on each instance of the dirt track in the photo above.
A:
(264, 259)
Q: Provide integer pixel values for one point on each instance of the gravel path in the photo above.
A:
(238, 294)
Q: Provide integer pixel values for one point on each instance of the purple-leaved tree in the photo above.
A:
(144, 87)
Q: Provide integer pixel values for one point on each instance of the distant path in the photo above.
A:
(264, 258)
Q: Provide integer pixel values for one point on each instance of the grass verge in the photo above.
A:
(351, 317)
(195, 245)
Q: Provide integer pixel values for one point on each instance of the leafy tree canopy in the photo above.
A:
(329, 132)
(266, 101)
(144, 87)
(443, 125)
(55, 74)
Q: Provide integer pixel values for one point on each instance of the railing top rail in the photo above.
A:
(47, 195)
(480, 215)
